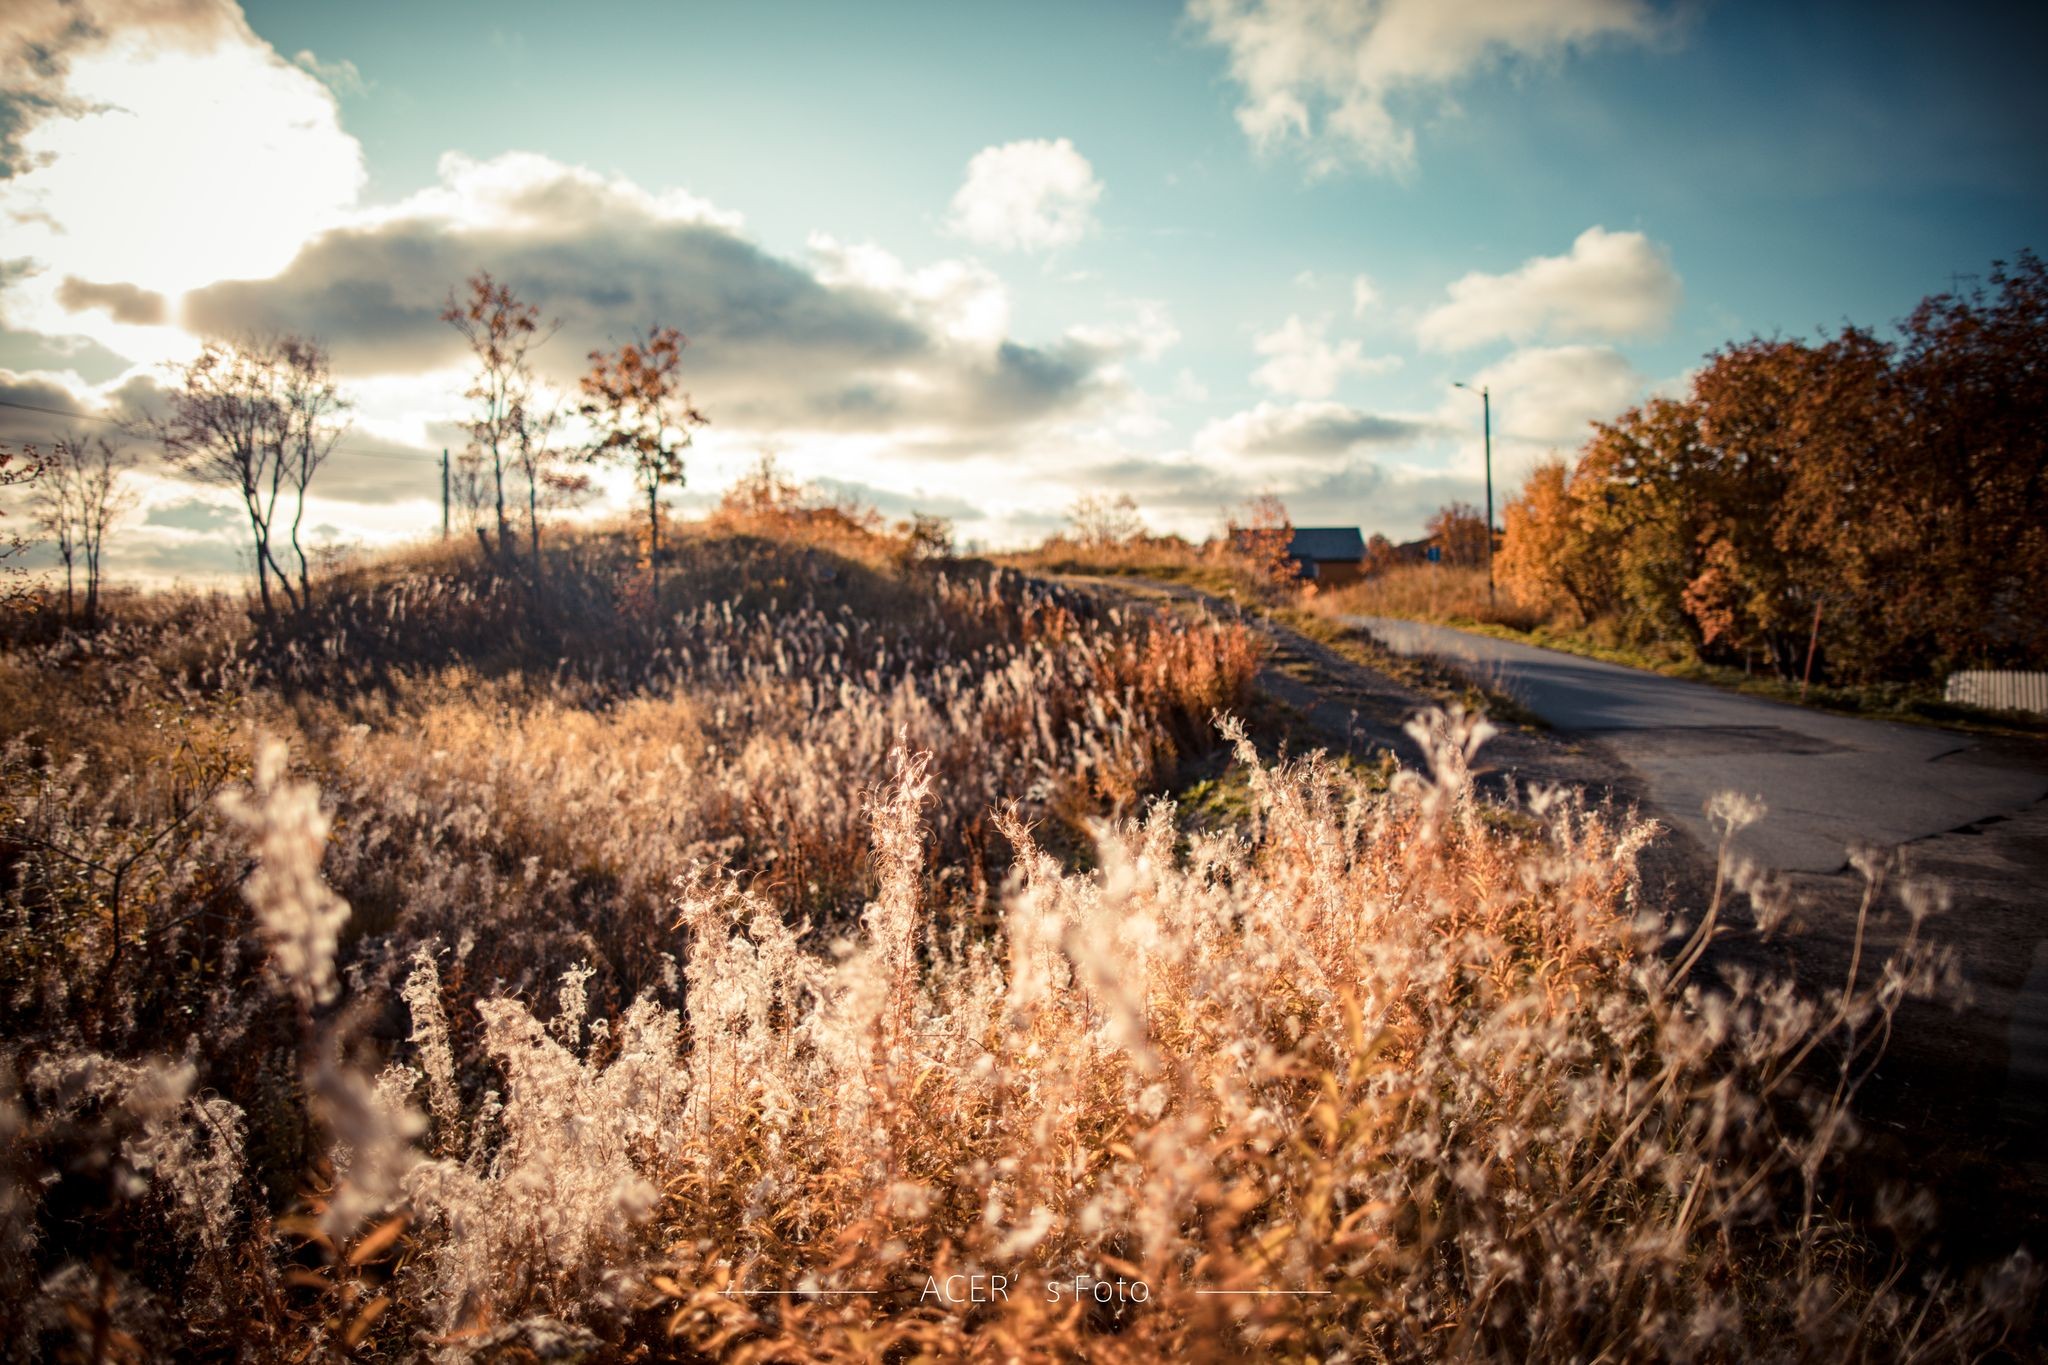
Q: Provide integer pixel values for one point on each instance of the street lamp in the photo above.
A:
(1486, 413)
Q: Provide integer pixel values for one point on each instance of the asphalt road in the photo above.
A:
(1967, 1079)
(1829, 781)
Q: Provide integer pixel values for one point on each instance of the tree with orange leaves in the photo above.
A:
(1876, 505)
(1459, 529)
(1263, 538)
(639, 414)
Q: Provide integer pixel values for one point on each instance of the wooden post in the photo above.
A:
(444, 492)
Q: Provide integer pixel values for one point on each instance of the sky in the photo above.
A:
(978, 261)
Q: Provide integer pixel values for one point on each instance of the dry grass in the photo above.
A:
(1430, 592)
(1139, 555)
(514, 1004)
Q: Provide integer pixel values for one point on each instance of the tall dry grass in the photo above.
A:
(1431, 592)
(678, 1009)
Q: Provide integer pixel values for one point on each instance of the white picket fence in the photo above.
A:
(2000, 690)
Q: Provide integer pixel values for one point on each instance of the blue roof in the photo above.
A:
(1342, 544)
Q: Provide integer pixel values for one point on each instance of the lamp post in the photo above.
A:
(1486, 415)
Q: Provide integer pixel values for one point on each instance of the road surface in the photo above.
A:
(1829, 781)
(1967, 1085)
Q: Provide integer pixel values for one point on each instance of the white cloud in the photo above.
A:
(148, 147)
(1610, 284)
(850, 339)
(1192, 491)
(1364, 294)
(340, 76)
(1325, 73)
(960, 300)
(1147, 334)
(1548, 395)
(527, 192)
(1301, 361)
(140, 179)
(1306, 430)
(1027, 196)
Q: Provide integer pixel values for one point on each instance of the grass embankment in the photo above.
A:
(1457, 596)
(1230, 580)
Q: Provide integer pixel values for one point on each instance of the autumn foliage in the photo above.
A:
(1896, 488)
(640, 417)
(1460, 530)
(1260, 535)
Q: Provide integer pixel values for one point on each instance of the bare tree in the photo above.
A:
(503, 331)
(539, 459)
(1101, 522)
(53, 503)
(17, 466)
(259, 416)
(84, 491)
(314, 405)
(469, 488)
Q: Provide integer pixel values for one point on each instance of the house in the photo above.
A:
(1428, 550)
(1328, 555)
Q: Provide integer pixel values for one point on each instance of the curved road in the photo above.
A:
(1829, 781)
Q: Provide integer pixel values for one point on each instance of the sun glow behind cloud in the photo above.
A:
(191, 167)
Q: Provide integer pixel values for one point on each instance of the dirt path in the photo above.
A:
(1353, 698)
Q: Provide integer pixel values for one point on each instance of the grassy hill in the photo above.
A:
(550, 960)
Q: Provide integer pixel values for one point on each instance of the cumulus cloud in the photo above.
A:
(200, 515)
(960, 300)
(850, 339)
(30, 408)
(1307, 430)
(1147, 334)
(1191, 494)
(1610, 284)
(1302, 362)
(121, 302)
(91, 362)
(1027, 196)
(1327, 74)
(1550, 395)
(891, 502)
(37, 406)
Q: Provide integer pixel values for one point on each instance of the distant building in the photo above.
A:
(1428, 550)
(1330, 556)
(1435, 550)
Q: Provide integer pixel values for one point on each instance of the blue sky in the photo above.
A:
(982, 259)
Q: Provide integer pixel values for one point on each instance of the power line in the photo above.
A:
(116, 421)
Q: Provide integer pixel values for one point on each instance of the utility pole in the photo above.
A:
(444, 492)
(1486, 415)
